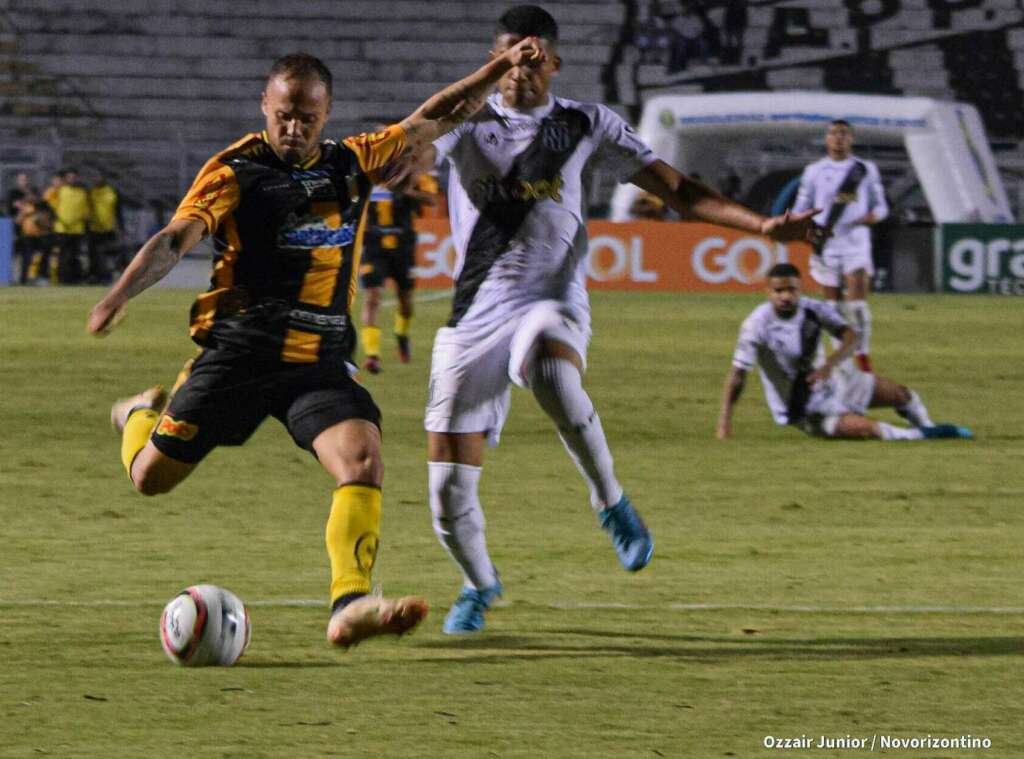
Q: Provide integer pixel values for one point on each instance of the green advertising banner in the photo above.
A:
(980, 258)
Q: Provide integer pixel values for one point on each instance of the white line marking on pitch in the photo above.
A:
(572, 606)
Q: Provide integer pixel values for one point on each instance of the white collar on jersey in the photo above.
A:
(533, 114)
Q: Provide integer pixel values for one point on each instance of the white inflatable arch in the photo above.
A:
(946, 141)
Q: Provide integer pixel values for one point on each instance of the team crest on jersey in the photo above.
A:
(555, 136)
(170, 427)
(308, 232)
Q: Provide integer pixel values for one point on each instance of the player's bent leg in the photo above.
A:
(556, 380)
(350, 452)
(153, 472)
(852, 427)
(150, 471)
(454, 468)
(855, 427)
(906, 402)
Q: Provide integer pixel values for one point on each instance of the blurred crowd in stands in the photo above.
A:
(680, 33)
(67, 233)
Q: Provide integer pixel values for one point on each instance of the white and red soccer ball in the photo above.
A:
(205, 625)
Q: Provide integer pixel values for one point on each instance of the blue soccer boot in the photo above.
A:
(629, 534)
(947, 431)
(467, 613)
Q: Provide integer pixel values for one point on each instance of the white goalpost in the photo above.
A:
(946, 141)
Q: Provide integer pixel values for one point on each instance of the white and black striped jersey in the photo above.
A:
(785, 349)
(517, 200)
(819, 188)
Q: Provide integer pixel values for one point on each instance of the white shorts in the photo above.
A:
(837, 260)
(847, 391)
(471, 368)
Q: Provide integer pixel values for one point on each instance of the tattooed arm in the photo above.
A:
(151, 264)
(457, 102)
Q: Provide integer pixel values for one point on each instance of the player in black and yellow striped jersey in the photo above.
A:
(390, 253)
(285, 211)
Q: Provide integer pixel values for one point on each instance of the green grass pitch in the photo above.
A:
(787, 594)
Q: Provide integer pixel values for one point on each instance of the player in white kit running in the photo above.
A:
(520, 313)
(825, 397)
(848, 190)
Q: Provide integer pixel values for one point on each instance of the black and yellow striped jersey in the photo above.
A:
(389, 221)
(287, 240)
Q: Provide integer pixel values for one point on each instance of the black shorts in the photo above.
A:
(228, 395)
(378, 265)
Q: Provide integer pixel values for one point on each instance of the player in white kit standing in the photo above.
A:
(520, 312)
(848, 190)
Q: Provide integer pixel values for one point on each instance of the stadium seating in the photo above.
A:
(970, 52)
(156, 88)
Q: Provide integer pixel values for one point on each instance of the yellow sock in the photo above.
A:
(353, 533)
(33, 267)
(136, 434)
(402, 324)
(371, 340)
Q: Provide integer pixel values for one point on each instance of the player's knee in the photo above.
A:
(903, 395)
(364, 464)
(149, 482)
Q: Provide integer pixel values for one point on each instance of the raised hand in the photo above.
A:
(527, 52)
(793, 226)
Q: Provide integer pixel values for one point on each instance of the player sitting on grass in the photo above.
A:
(823, 397)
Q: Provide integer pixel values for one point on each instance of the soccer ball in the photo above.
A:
(205, 625)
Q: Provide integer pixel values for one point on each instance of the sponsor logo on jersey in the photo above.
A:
(170, 427)
(310, 321)
(210, 192)
(846, 197)
(490, 189)
(311, 232)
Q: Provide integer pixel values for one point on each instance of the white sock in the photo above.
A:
(860, 316)
(892, 432)
(915, 412)
(841, 308)
(558, 388)
(459, 520)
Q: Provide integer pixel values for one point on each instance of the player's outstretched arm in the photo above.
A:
(454, 104)
(693, 200)
(151, 264)
(731, 391)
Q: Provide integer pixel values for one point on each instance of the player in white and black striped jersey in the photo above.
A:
(822, 396)
(521, 315)
(848, 190)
